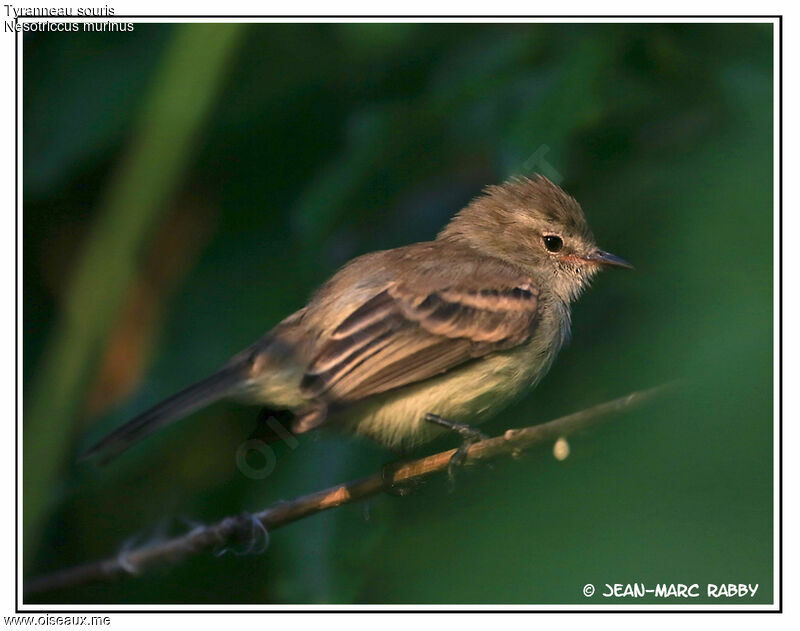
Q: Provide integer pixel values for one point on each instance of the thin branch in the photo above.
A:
(238, 528)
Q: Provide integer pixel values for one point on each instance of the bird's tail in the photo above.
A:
(198, 395)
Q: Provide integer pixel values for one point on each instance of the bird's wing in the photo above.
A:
(404, 335)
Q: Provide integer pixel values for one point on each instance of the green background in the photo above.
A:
(230, 171)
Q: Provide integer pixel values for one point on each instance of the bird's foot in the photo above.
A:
(469, 434)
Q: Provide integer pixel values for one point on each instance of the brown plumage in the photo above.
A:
(457, 327)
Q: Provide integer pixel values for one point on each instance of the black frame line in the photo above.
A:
(610, 609)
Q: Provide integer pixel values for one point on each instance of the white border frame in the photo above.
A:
(611, 607)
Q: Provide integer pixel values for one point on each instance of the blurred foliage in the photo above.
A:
(330, 140)
(177, 105)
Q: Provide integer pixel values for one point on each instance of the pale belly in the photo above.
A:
(471, 394)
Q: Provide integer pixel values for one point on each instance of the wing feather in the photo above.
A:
(402, 336)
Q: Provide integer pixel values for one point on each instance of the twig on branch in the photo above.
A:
(238, 528)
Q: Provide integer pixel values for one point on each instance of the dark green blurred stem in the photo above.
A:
(183, 90)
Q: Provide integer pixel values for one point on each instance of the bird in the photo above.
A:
(404, 344)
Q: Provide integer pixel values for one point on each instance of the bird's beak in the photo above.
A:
(601, 257)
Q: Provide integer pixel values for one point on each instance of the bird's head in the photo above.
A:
(535, 225)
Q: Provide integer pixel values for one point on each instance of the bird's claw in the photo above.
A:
(470, 436)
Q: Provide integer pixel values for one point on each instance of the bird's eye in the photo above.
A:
(552, 243)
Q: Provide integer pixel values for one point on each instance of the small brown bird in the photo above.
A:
(402, 344)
